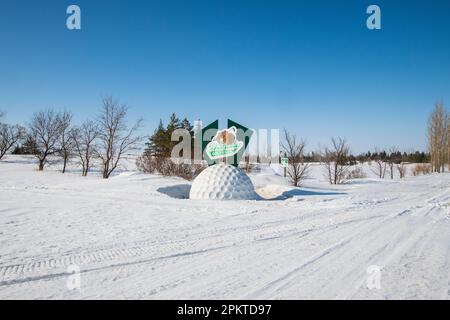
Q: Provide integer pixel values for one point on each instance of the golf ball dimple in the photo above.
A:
(223, 182)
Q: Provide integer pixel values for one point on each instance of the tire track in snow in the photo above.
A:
(389, 250)
(107, 255)
(87, 270)
(283, 282)
(146, 248)
(402, 245)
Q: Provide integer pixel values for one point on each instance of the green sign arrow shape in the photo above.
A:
(242, 134)
(212, 153)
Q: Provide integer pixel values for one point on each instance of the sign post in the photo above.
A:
(284, 163)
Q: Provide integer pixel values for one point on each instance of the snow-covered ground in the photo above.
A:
(134, 236)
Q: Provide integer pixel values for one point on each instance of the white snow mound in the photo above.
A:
(223, 182)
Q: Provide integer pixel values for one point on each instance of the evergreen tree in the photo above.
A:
(154, 146)
(174, 123)
(185, 124)
(168, 144)
(160, 144)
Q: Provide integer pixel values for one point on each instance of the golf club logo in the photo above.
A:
(224, 144)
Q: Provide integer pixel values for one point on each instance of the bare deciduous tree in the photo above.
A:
(401, 168)
(84, 138)
(44, 132)
(392, 160)
(448, 140)
(336, 161)
(115, 137)
(380, 165)
(438, 137)
(294, 148)
(10, 135)
(66, 143)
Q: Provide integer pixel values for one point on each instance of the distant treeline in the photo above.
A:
(396, 157)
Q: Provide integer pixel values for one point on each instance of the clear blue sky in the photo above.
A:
(309, 66)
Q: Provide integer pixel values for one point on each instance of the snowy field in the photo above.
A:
(134, 236)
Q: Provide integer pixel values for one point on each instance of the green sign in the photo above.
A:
(229, 144)
(224, 144)
(284, 162)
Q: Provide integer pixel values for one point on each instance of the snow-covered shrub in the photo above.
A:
(421, 168)
(180, 169)
(146, 163)
(168, 167)
(357, 173)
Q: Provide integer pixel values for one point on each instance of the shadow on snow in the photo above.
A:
(181, 191)
(303, 193)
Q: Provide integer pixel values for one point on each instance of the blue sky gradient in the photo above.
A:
(309, 66)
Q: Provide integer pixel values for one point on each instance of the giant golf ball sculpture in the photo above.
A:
(222, 182)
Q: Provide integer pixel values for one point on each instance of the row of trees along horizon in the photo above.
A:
(160, 144)
(107, 138)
